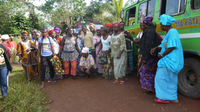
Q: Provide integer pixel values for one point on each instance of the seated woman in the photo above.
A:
(87, 63)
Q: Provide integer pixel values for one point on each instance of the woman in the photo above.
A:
(170, 64)
(129, 46)
(5, 67)
(55, 60)
(69, 53)
(87, 63)
(80, 46)
(58, 37)
(13, 50)
(92, 28)
(27, 56)
(149, 63)
(119, 54)
(46, 52)
(105, 45)
(109, 26)
(97, 45)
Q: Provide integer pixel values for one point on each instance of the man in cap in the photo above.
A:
(5, 40)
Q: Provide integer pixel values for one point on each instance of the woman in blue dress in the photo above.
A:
(170, 64)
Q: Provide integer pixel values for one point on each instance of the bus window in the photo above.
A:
(172, 7)
(130, 16)
(195, 4)
(146, 9)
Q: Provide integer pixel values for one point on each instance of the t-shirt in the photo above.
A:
(105, 43)
(56, 46)
(46, 46)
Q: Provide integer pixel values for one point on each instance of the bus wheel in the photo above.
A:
(189, 78)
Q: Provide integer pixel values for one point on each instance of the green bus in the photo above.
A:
(187, 15)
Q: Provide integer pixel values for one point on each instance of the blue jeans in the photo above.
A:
(3, 81)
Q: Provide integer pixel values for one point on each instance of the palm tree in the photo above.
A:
(110, 12)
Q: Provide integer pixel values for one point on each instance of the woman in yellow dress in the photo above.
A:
(28, 58)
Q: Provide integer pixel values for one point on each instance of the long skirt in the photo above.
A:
(130, 59)
(73, 67)
(166, 83)
(107, 68)
(14, 58)
(147, 74)
(120, 66)
(57, 65)
(98, 65)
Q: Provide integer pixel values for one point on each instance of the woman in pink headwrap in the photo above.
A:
(97, 45)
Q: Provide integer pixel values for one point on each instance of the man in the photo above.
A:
(5, 40)
(13, 49)
(58, 37)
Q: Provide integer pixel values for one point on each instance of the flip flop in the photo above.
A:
(42, 86)
(174, 102)
(116, 81)
(122, 82)
(161, 101)
(52, 82)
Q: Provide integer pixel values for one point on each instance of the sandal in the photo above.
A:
(161, 101)
(122, 82)
(174, 102)
(42, 86)
(49, 102)
(116, 81)
(52, 82)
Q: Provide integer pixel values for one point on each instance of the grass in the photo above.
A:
(23, 96)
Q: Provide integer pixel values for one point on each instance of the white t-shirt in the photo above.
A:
(105, 43)
(55, 46)
(27, 44)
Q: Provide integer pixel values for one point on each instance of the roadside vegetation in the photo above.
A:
(23, 96)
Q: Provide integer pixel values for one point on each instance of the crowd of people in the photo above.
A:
(106, 50)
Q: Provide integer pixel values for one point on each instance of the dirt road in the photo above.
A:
(95, 95)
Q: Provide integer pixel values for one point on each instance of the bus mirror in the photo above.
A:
(122, 14)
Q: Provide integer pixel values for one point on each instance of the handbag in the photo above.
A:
(103, 60)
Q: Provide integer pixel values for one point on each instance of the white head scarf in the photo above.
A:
(85, 50)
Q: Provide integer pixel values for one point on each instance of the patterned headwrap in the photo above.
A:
(50, 31)
(148, 20)
(122, 22)
(24, 32)
(108, 24)
(116, 23)
(166, 19)
(98, 28)
(79, 26)
(92, 25)
(34, 31)
(57, 29)
(43, 29)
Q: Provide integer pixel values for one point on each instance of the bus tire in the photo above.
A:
(189, 78)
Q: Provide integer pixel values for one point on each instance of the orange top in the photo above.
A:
(12, 44)
(59, 40)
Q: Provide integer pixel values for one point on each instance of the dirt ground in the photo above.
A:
(95, 95)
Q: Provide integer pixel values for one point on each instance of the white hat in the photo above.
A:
(85, 50)
(5, 37)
